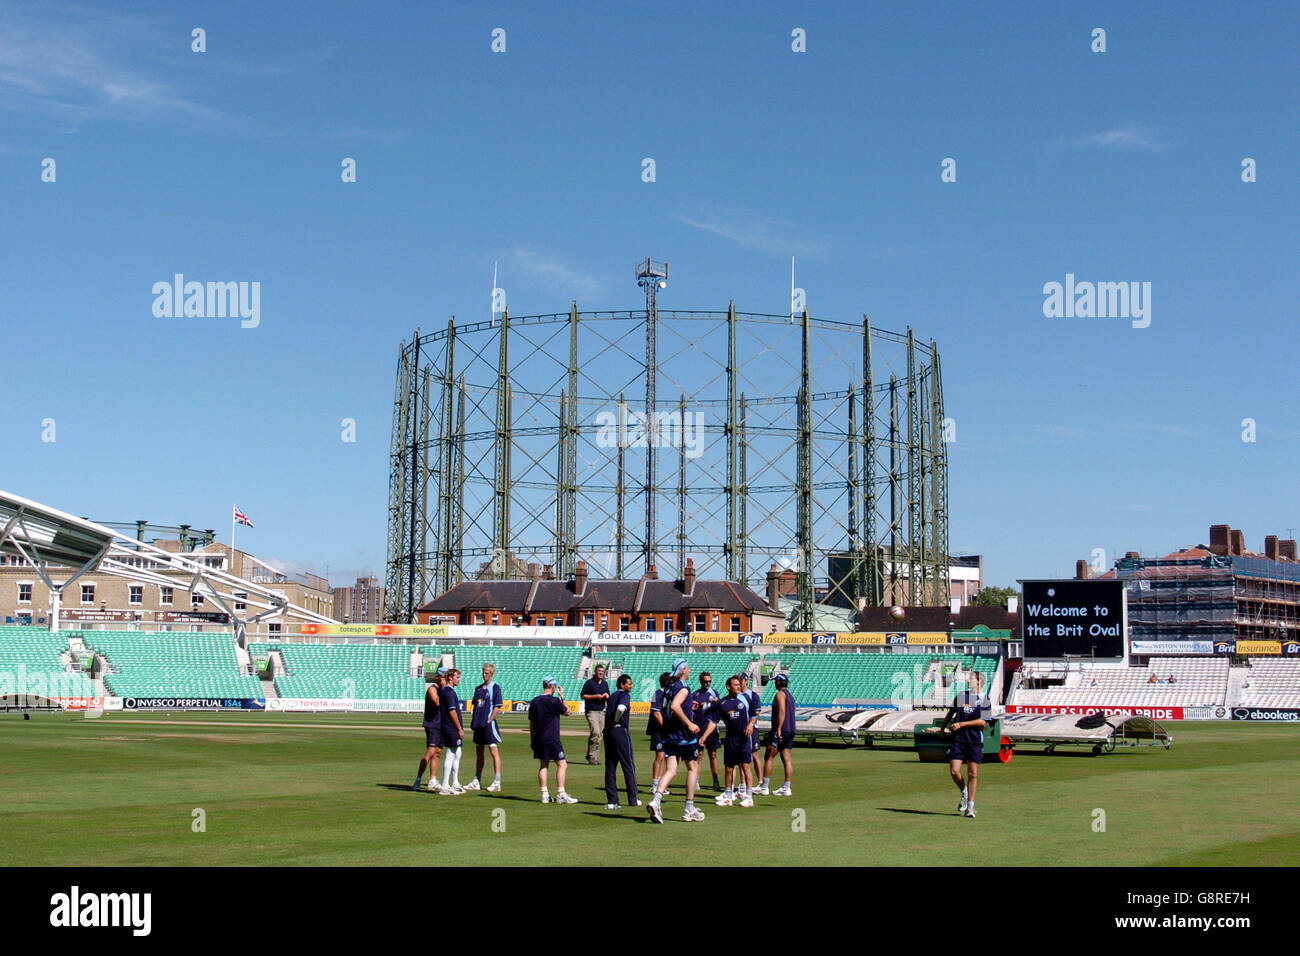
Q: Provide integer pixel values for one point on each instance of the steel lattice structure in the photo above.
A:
(814, 444)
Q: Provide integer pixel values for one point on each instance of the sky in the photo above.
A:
(1072, 433)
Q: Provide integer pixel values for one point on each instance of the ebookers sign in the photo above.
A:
(1082, 710)
(1276, 714)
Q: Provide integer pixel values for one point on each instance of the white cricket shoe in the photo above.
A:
(724, 800)
(656, 816)
(565, 798)
(546, 798)
(761, 790)
(494, 787)
(612, 806)
(782, 792)
(961, 807)
(472, 785)
(746, 801)
(692, 816)
(970, 811)
(433, 787)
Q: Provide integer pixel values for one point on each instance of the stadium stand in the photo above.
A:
(1198, 682)
(1271, 683)
(821, 679)
(347, 671)
(31, 663)
(167, 664)
(520, 670)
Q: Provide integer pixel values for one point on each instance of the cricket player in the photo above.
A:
(544, 715)
(780, 739)
(704, 707)
(432, 733)
(681, 743)
(619, 752)
(453, 732)
(973, 711)
(487, 707)
(755, 711)
(734, 715)
(655, 729)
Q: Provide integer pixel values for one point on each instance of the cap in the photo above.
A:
(549, 682)
(678, 664)
(781, 678)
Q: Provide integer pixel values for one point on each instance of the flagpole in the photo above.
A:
(231, 569)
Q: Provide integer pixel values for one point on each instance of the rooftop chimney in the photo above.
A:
(1081, 570)
(548, 572)
(773, 589)
(1286, 549)
(1238, 542)
(1270, 547)
(653, 573)
(580, 579)
(1219, 539)
(688, 578)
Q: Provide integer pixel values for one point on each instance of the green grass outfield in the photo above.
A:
(305, 789)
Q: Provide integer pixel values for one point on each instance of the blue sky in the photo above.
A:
(1072, 434)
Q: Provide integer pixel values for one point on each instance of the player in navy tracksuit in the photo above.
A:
(453, 732)
(781, 737)
(544, 715)
(755, 711)
(432, 733)
(655, 728)
(973, 711)
(619, 752)
(487, 704)
(734, 715)
(681, 742)
(704, 705)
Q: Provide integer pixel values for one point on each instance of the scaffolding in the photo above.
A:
(764, 439)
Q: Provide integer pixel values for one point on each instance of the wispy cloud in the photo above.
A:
(80, 64)
(1128, 136)
(554, 273)
(1163, 429)
(1060, 431)
(753, 231)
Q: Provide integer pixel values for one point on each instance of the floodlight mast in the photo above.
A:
(651, 276)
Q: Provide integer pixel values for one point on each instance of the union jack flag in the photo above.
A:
(241, 518)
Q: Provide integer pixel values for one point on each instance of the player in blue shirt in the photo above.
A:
(619, 752)
(755, 711)
(432, 733)
(973, 712)
(780, 739)
(681, 742)
(544, 715)
(735, 717)
(483, 722)
(704, 705)
(655, 728)
(453, 732)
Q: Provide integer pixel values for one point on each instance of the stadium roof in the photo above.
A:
(44, 535)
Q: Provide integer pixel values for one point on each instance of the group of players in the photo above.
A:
(683, 725)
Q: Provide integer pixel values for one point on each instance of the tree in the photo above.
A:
(994, 597)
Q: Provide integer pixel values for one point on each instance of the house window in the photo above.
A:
(558, 621)
(196, 628)
(24, 594)
(196, 599)
(240, 598)
(735, 624)
(164, 627)
(588, 620)
(165, 595)
(136, 594)
(624, 624)
(87, 594)
(717, 622)
(539, 621)
(699, 622)
(273, 627)
(604, 622)
(480, 619)
(650, 624)
(496, 619)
